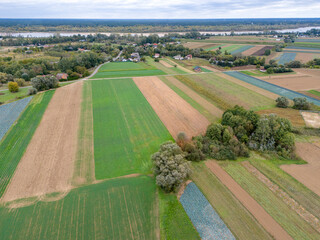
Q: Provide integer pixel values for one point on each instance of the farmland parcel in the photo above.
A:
(15, 143)
(115, 209)
(126, 69)
(126, 129)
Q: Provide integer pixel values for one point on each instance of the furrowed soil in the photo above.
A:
(252, 206)
(48, 163)
(176, 114)
(307, 174)
(251, 51)
(212, 109)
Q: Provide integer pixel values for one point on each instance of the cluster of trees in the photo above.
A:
(228, 60)
(298, 103)
(44, 83)
(315, 63)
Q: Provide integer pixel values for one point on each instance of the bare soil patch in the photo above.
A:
(249, 86)
(296, 82)
(312, 119)
(48, 163)
(164, 63)
(193, 45)
(212, 109)
(261, 51)
(175, 113)
(252, 50)
(293, 115)
(252, 206)
(304, 57)
(307, 174)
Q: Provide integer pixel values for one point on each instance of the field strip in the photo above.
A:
(179, 66)
(164, 63)
(249, 86)
(48, 163)
(307, 174)
(252, 206)
(175, 113)
(312, 119)
(212, 109)
(252, 50)
(300, 210)
(211, 68)
(84, 164)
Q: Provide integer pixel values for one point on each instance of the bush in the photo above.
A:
(282, 102)
(32, 91)
(13, 87)
(170, 166)
(21, 82)
(301, 104)
(44, 83)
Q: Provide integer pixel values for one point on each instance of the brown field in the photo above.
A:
(249, 86)
(305, 57)
(193, 45)
(212, 109)
(293, 115)
(164, 63)
(310, 94)
(48, 163)
(270, 225)
(244, 38)
(261, 51)
(179, 66)
(175, 113)
(252, 50)
(307, 174)
(302, 81)
(312, 119)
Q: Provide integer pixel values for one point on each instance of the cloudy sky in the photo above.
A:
(139, 9)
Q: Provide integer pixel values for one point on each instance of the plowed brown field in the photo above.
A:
(48, 163)
(253, 207)
(252, 50)
(175, 113)
(307, 174)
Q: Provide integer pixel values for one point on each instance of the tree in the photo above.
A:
(44, 83)
(13, 87)
(21, 82)
(301, 104)
(282, 102)
(170, 166)
(267, 52)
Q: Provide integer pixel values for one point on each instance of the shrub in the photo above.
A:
(32, 91)
(21, 82)
(13, 87)
(282, 102)
(301, 104)
(44, 83)
(170, 166)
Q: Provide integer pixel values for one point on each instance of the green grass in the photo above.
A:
(270, 168)
(241, 223)
(172, 70)
(283, 214)
(232, 93)
(13, 146)
(262, 74)
(314, 92)
(192, 102)
(115, 209)
(9, 96)
(230, 48)
(126, 69)
(205, 69)
(215, 47)
(127, 131)
(174, 221)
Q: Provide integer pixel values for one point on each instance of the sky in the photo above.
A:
(159, 9)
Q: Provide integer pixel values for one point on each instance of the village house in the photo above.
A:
(188, 57)
(197, 69)
(135, 57)
(178, 57)
(62, 76)
(156, 55)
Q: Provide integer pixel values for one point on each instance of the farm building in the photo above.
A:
(63, 76)
(197, 69)
(156, 55)
(188, 57)
(135, 57)
(178, 57)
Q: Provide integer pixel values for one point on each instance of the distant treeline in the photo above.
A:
(153, 25)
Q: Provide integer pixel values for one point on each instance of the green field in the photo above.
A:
(280, 211)
(172, 70)
(262, 74)
(174, 221)
(231, 48)
(229, 92)
(126, 129)
(126, 69)
(215, 47)
(315, 92)
(114, 209)
(241, 223)
(9, 96)
(13, 146)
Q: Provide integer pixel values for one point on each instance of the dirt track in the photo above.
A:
(212, 109)
(48, 163)
(175, 113)
(252, 206)
(307, 174)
